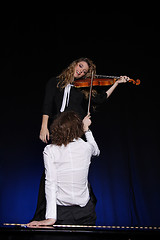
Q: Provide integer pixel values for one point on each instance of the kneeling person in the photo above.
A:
(66, 161)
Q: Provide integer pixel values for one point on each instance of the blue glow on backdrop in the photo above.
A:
(124, 177)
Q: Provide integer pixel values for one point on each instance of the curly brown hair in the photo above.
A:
(67, 75)
(65, 128)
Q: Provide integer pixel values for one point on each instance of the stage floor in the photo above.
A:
(12, 232)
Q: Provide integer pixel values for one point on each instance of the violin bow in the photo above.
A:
(90, 93)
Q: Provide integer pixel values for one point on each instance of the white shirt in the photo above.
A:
(66, 173)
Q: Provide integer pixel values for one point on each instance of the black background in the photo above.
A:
(38, 44)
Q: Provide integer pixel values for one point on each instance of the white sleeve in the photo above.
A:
(50, 184)
(92, 142)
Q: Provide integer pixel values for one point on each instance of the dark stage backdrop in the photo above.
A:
(125, 177)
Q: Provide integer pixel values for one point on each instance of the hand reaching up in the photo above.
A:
(86, 122)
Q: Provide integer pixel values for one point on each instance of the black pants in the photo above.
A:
(76, 215)
(41, 203)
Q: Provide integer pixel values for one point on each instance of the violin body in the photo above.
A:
(100, 80)
(96, 82)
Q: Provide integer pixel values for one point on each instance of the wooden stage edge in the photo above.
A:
(15, 231)
(88, 227)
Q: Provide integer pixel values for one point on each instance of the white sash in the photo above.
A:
(66, 95)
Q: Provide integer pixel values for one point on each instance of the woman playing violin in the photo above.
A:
(60, 96)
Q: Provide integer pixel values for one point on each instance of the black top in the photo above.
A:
(77, 102)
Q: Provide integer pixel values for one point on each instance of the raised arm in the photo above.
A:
(122, 79)
(86, 122)
(89, 135)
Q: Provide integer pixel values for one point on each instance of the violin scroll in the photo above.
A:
(137, 82)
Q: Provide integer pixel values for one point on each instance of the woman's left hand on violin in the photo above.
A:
(123, 79)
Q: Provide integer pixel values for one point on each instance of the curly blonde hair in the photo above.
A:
(67, 75)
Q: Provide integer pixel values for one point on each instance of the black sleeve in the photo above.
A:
(99, 97)
(49, 96)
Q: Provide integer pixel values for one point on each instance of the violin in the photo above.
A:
(100, 80)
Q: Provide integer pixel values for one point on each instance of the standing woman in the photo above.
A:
(60, 96)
